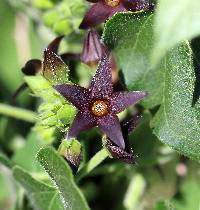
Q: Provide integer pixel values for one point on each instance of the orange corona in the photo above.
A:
(112, 3)
(99, 108)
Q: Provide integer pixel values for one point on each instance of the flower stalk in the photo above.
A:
(18, 113)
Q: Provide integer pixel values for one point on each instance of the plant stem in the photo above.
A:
(19, 113)
(5, 161)
(92, 163)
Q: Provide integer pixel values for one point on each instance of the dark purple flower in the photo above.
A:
(103, 9)
(32, 67)
(126, 155)
(98, 105)
(93, 48)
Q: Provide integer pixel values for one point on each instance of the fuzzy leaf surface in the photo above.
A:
(42, 196)
(130, 37)
(170, 84)
(175, 21)
(62, 177)
(177, 121)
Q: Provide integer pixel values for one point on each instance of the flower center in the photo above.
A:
(99, 108)
(112, 3)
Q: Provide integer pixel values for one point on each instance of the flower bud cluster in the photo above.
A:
(63, 17)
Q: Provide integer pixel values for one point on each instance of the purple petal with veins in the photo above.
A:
(119, 153)
(101, 84)
(77, 95)
(53, 46)
(121, 100)
(137, 5)
(82, 121)
(97, 14)
(111, 127)
(93, 48)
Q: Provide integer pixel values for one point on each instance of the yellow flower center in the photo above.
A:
(99, 108)
(112, 3)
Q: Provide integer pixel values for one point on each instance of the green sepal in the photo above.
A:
(71, 150)
(42, 88)
(104, 142)
(65, 115)
(55, 113)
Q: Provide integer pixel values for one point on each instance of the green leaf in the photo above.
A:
(62, 177)
(175, 21)
(171, 84)
(5, 161)
(130, 35)
(42, 196)
(176, 122)
(189, 199)
(162, 205)
(28, 152)
(134, 192)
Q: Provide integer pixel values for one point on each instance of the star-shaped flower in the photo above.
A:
(98, 105)
(126, 155)
(103, 9)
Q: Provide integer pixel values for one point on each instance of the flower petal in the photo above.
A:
(67, 57)
(53, 46)
(121, 100)
(97, 14)
(130, 125)
(54, 68)
(77, 95)
(82, 121)
(137, 5)
(111, 127)
(93, 1)
(119, 153)
(101, 84)
(93, 49)
(32, 67)
(119, 8)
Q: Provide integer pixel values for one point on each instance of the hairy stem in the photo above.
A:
(92, 163)
(18, 113)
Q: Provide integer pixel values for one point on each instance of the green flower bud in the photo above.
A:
(43, 4)
(63, 27)
(104, 142)
(70, 149)
(64, 10)
(76, 23)
(50, 18)
(49, 121)
(65, 115)
(78, 10)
